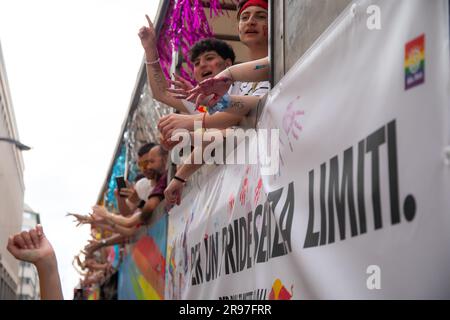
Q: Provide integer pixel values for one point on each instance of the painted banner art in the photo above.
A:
(359, 207)
(142, 271)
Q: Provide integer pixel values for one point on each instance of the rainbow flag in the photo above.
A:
(415, 62)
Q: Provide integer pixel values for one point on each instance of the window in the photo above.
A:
(28, 215)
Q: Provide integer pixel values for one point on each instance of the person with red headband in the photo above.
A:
(253, 32)
(254, 71)
(244, 4)
(253, 27)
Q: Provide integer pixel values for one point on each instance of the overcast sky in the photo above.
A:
(72, 66)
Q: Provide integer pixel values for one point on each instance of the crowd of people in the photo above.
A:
(223, 96)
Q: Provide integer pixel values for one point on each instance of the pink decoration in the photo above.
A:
(185, 24)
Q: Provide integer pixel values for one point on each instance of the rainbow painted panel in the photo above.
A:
(94, 293)
(142, 272)
(114, 256)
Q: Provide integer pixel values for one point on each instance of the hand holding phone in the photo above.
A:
(121, 184)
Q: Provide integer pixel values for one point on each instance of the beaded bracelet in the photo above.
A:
(152, 62)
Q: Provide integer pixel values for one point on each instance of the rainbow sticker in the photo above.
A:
(202, 108)
(415, 62)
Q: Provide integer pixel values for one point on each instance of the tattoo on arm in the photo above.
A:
(158, 76)
(258, 67)
(238, 105)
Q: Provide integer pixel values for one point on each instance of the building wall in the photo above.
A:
(28, 288)
(297, 24)
(11, 189)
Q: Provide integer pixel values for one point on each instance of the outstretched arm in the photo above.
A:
(252, 71)
(125, 231)
(95, 245)
(214, 88)
(238, 107)
(117, 219)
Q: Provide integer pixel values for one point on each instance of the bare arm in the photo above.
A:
(49, 282)
(124, 209)
(115, 239)
(239, 106)
(149, 207)
(174, 190)
(115, 218)
(252, 71)
(96, 245)
(155, 76)
(187, 170)
(209, 91)
(126, 222)
(93, 265)
(125, 231)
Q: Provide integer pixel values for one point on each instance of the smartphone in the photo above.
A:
(120, 183)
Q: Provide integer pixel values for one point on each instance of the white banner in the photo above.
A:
(360, 207)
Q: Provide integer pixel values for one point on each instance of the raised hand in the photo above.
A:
(31, 246)
(147, 35)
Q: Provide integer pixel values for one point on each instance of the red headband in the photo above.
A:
(251, 3)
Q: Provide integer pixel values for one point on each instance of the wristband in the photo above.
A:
(221, 105)
(179, 179)
(141, 204)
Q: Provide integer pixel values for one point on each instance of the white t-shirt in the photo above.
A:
(256, 89)
(143, 188)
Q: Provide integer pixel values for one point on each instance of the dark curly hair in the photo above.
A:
(222, 48)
